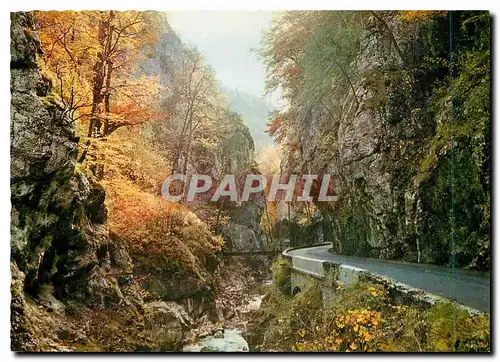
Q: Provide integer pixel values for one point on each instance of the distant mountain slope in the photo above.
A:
(167, 59)
(255, 113)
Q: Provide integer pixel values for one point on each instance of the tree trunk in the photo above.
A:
(178, 151)
(188, 150)
(106, 128)
(102, 73)
(107, 96)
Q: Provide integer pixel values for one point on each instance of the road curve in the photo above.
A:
(467, 287)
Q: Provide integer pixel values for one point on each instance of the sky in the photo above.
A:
(226, 40)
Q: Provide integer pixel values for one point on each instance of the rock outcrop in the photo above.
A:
(389, 148)
(243, 232)
(64, 263)
(59, 237)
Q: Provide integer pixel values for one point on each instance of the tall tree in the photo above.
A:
(94, 56)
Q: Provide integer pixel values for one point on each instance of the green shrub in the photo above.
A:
(281, 275)
(453, 329)
(362, 317)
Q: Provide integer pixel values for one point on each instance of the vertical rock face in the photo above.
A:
(361, 151)
(64, 263)
(366, 163)
(243, 232)
(50, 201)
(389, 151)
(60, 245)
(59, 239)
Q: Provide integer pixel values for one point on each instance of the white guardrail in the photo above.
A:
(348, 275)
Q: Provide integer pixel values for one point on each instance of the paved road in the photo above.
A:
(471, 288)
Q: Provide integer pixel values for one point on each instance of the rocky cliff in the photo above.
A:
(60, 247)
(74, 284)
(388, 141)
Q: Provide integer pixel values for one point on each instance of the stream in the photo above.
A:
(228, 339)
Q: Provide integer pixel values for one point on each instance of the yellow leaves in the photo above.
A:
(399, 308)
(365, 334)
(420, 15)
(354, 330)
(441, 346)
(384, 347)
(156, 228)
(298, 348)
(393, 328)
(358, 316)
(377, 291)
(74, 49)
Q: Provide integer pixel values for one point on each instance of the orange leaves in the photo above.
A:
(157, 229)
(70, 51)
(130, 158)
(134, 102)
(420, 15)
(274, 125)
(129, 206)
(283, 49)
(361, 329)
(357, 317)
(290, 70)
(384, 327)
(354, 330)
(278, 126)
(79, 45)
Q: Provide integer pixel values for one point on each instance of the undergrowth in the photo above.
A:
(362, 318)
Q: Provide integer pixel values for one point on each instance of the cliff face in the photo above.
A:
(59, 239)
(49, 199)
(76, 285)
(390, 150)
(254, 111)
(64, 265)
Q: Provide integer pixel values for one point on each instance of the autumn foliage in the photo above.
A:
(363, 318)
(91, 57)
(166, 233)
(93, 61)
(158, 232)
(420, 15)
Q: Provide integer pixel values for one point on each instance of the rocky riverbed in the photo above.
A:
(226, 336)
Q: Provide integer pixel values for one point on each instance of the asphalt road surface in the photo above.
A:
(467, 287)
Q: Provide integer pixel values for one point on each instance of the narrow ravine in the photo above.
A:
(228, 337)
(157, 178)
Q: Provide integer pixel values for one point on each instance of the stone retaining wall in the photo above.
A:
(329, 275)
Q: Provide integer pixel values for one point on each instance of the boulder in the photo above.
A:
(166, 322)
(103, 290)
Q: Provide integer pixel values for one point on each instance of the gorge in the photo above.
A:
(107, 105)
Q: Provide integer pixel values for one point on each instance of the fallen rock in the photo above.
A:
(103, 290)
(166, 322)
(219, 334)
